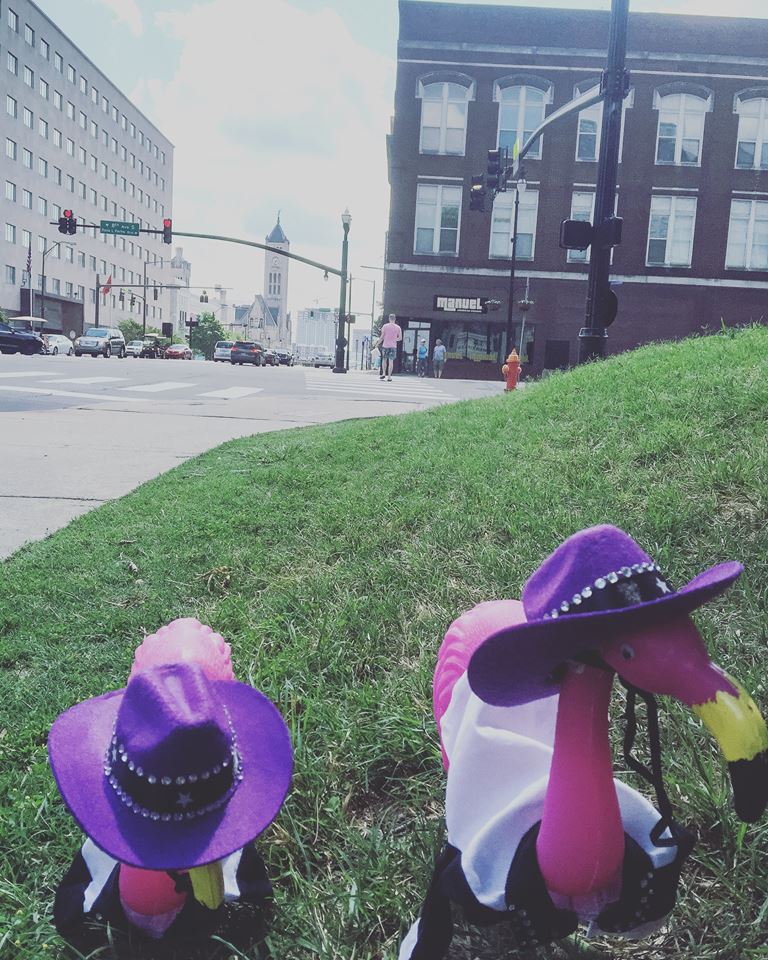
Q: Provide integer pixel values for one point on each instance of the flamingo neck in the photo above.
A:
(580, 845)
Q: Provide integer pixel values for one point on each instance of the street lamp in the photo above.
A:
(46, 251)
(520, 187)
(346, 220)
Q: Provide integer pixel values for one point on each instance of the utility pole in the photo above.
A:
(144, 308)
(601, 302)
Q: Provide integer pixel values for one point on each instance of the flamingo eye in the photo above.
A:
(627, 652)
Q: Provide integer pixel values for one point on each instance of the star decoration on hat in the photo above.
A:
(184, 800)
(664, 587)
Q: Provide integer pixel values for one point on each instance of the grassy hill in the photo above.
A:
(333, 558)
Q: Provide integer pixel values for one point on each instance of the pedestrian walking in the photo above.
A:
(376, 355)
(421, 358)
(438, 358)
(391, 335)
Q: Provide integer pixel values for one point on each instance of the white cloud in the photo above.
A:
(127, 12)
(272, 108)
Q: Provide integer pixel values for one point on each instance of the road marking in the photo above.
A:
(159, 387)
(90, 379)
(381, 390)
(48, 392)
(232, 393)
(28, 373)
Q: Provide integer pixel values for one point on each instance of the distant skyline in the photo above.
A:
(280, 106)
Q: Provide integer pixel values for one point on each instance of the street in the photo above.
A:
(76, 432)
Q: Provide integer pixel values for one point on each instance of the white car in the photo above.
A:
(134, 348)
(323, 360)
(222, 350)
(59, 344)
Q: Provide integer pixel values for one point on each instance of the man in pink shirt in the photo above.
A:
(391, 335)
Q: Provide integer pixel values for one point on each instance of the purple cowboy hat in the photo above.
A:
(597, 581)
(175, 771)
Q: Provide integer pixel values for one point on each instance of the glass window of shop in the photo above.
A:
(485, 342)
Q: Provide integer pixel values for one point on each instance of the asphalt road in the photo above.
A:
(78, 431)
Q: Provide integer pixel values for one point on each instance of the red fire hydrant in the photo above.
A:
(511, 370)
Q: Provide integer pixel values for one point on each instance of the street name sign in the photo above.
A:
(119, 227)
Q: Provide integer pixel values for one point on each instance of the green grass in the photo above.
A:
(333, 559)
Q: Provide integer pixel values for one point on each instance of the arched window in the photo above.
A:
(522, 105)
(591, 122)
(444, 104)
(752, 138)
(682, 108)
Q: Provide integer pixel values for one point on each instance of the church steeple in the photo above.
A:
(278, 234)
(276, 286)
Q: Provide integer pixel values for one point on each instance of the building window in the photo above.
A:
(56, 286)
(10, 191)
(13, 20)
(26, 199)
(10, 148)
(57, 176)
(83, 121)
(444, 117)
(58, 62)
(29, 77)
(13, 64)
(681, 128)
(748, 235)
(10, 233)
(670, 235)
(502, 224)
(57, 101)
(26, 239)
(752, 139)
(70, 73)
(70, 147)
(94, 197)
(55, 211)
(69, 254)
(80, 293)
(83, 84)
(105, 105)
(29, 118)
(42, 167)
(70, 183)
(11, 107)
(67, 288)
(582, 208)
(10, 274)
(115, 113)
(42, 127)
(82, 154)
(94, 130)
(81, 189)
(57, 138)
(521, 110)
(70, 110)
(26, 158)
(42, 206)
(437, 219)
(29, 35)
(45, 49)
(43, 88)
(94, 95)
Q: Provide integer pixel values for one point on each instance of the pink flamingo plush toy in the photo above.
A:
(539, 832)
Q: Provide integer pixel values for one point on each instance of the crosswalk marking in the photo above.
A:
(159, 387)
(49, 392)
(89, 379)
(232, 393)
(27, 373)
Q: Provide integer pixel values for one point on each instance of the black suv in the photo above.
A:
(246, 351)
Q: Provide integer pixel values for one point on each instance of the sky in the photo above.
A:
(275, 106)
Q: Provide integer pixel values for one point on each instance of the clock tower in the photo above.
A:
(276, 288)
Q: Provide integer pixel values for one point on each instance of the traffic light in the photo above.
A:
(495, 170)
(167, 231)
(122, 296)
(477, 193)
(63, 222)
(156, 293)
(71, 222)
(133, 300)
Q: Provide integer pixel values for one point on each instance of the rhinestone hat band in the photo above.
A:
(172, 798)
(625, 587)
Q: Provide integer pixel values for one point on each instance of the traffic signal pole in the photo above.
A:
(601, 300)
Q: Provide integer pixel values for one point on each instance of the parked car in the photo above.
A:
(324, 360)
(58, 343)
(101, 341)
(271, 358)
(222, 350)
(178, 351)
(134, 348)
(246, 351)
(285, 357)
(154, 348)
(19, 341)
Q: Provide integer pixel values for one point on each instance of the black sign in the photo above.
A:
(445, 304)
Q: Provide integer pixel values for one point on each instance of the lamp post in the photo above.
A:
(520, 187)
(46, 251)
(346, 220)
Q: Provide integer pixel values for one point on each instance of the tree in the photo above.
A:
(205, 335)
(133, 330)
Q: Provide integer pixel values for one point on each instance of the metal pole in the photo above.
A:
(511, 301)
(42, 280)
(339, 368)
(592, 335)
(144, 308)
(349, 325)
(98, 294)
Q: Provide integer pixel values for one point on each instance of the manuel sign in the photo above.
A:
(460, 304)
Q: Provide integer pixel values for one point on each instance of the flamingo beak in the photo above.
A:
(738, 727)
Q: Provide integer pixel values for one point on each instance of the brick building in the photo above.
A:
(692, 180)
